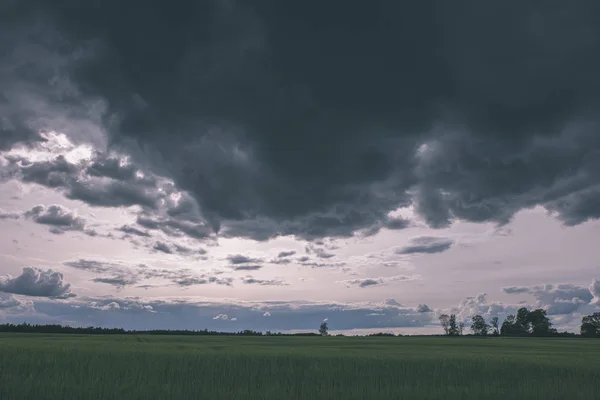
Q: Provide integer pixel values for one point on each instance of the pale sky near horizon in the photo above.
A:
(283, 167)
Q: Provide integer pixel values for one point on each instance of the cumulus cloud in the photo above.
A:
(595, 291)
(37, 282)
(426, 245)
(59, 218)
(367, 282)
(8, 301)
(557, 298)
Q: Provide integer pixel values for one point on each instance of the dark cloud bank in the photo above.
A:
(314, 119)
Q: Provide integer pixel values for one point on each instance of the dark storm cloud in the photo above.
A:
(37, 282)
(59, 218)
(426, 244)
(315, 120)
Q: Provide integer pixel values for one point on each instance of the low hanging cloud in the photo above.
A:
(368, 282)
(38, 283)
(59, 218)
(426, 245)
(121, 274)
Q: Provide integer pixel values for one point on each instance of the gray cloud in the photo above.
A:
(246, 267)
(248, 280)
(241, 259)
(318, 251)
(123, 274)
(162, 247)
(559, 298)
(283, 254)
(131, 230)
(8, 301)
(423, 308)
(595, 291)
(59, 218)
(367, 282)
(426, 244)
(8, 215)
(37, 282)
(452, 132)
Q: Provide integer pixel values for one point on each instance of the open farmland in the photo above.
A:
(39, 366)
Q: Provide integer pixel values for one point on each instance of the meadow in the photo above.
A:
(57, 367)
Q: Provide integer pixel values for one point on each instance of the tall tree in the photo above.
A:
(508, 326)
(461, 327)
(540, 323)
(523, 325)
(453, 326)
(479, 327)
(494, 323)
(445, 322)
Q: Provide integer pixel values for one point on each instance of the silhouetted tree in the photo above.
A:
(590, 325)
(461, 327)
(445, 322)
(494, 324)
(453, 326)
(324, 329)
(540, 323)
(522, 323)
(479, 327)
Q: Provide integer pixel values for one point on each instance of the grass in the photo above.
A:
(39, 366)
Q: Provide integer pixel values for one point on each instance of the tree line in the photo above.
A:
(525, 323)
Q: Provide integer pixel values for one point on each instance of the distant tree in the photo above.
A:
(494, 324)
(453, 326)
(445, 322)
(590, 325)
(479, 327)
(522, 322)
(508, 326)
(324, 329)
(461, 327)
(540, 323)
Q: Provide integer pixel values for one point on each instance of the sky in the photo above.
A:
(271, 165)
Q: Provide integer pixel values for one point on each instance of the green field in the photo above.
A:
(39, 366)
